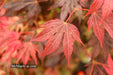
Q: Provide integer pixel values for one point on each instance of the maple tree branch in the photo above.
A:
(74, 12)
(83, 9)
(102, 64)
(70, 15)
(98, 63)
(91, 69)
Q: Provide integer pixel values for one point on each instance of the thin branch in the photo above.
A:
(91, 69)
(74, 12)
(70, 15)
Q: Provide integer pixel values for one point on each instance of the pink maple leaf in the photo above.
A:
(95, 6)
(28, 49)
(109, 69)
(94, 22)
(11, 41)
(56, 30)
(106, 5)
(7, 21)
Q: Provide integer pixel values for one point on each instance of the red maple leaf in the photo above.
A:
(54, 32)
(7, 57)
(94, 21)
(28, 49)
(9, 44)
(109, 69)
(7, 21)
(13, 43)
(3, 21)
(107, 7)
(10, 40)
(94, 6)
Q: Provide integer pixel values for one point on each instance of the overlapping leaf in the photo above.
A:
(108, 40)
(94, 21)
(54, 32)
(9, 44)
(10, 40)
(7, 21)
(28, 49)
(67, 6)
(31, 6)
(96, 48)
(95, 6)
(107, 7)
(98, 30)
(109, 69)
(14, 42)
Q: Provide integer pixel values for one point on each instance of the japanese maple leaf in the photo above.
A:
(107, 7)
(10, 41)
(4, 22)
(14, 42)
(109, 69)
(3, 36)
(67, 6)
(94, 21)
(31, 6)
(9, 44)
(13, 35)
(54, 32)
(95, 6)
(28, 49)
(7, 57)
(7, 21)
